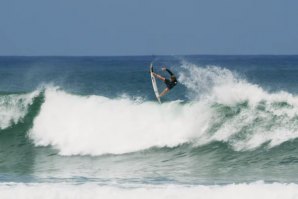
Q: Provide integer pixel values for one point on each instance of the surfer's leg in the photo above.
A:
(164, 92)
(159, 77)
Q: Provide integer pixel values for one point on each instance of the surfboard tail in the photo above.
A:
(151, 68)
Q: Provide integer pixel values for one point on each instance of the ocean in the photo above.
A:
(91, 127)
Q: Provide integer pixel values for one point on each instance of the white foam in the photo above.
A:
(86, 191)
(96, 125)
(14, 107)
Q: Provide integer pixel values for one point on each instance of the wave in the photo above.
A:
(223, 107)
(90, 190)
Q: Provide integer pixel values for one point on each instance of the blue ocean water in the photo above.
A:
(92, 125)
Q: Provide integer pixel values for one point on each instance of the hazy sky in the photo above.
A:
(146, 27)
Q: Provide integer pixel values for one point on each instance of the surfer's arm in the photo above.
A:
(158, 76)
(165, 69)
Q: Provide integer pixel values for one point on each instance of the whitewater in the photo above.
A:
(245, 191)
(99, 132)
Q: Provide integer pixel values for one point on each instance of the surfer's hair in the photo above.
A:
(173, 78)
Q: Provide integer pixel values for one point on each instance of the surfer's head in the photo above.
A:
(173, 78)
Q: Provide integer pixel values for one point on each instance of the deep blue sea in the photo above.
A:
(91, 127)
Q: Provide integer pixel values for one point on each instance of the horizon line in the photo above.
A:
(149, 55)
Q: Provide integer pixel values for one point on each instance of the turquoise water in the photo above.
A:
(93, 124)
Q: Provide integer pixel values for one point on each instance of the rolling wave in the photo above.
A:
(223, 107)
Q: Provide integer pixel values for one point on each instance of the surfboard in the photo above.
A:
(154, 84)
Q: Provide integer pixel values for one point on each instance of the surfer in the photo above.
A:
(170, 83)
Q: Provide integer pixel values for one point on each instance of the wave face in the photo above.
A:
(223, 107)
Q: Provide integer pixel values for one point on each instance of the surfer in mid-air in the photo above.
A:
(170, 83)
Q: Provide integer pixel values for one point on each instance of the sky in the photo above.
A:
(148, 27)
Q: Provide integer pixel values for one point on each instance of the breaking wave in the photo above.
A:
(222, 107)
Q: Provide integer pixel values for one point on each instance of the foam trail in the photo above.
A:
(233, 191)
(14, 107)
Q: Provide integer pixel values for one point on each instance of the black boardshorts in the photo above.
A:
(170, 84)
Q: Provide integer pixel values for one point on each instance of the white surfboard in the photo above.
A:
(154, 84)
